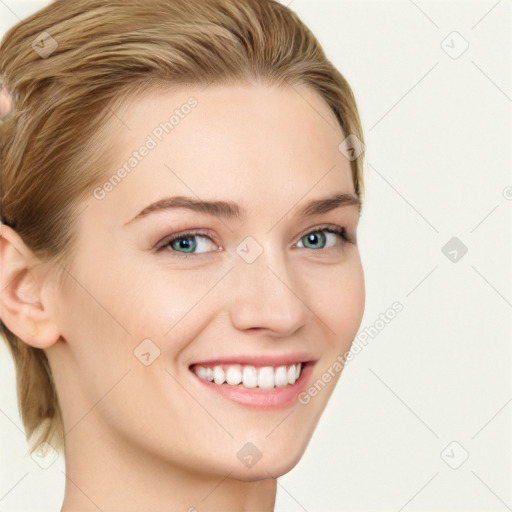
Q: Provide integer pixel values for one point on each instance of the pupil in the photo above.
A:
(185, 243)
(313, 239)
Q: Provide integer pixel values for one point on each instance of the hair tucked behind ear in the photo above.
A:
(96, 53)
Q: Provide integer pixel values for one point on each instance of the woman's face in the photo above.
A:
(266, 288)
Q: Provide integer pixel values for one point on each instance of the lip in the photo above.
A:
(262, 399)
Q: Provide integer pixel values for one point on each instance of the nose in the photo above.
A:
(266, 296)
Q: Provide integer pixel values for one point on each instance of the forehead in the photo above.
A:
(246, 143)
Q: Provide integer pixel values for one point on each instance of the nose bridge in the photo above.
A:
(265, 293)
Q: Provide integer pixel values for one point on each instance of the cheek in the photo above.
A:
(172, 303)
(100, 306)
(136, 298)
(340, 302)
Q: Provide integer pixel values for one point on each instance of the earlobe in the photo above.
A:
(21, 308)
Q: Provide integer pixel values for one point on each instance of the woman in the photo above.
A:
(181, 188)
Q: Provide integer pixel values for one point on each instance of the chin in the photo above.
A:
(270, 465)
(262, 470)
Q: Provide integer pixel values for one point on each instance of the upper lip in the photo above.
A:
(259, 360)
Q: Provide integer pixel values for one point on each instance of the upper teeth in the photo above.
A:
(266, 377)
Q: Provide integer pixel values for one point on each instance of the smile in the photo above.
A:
(264, 387)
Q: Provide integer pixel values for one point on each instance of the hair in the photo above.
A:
(103, 51)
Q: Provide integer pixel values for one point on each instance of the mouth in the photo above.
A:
(255, 385)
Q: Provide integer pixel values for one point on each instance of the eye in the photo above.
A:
(190, 243)
(312, 237)
(184, 245)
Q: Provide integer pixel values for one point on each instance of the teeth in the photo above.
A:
(281, 376)
(266, 377)
(250, 377)
(291, 374)
(294, 372)
(234, 375)
(201, 372)
(219, 377)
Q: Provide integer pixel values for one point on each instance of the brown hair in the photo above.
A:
(95, 53)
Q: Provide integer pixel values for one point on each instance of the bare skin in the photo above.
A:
(154, 438)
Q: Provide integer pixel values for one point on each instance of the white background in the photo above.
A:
(437, 166)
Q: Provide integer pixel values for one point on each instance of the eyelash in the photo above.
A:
(330, 228)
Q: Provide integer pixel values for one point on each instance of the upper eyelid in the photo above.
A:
(208, 233)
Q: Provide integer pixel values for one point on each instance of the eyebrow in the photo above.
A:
(229, 209)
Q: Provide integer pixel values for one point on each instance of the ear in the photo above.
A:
(23, 308)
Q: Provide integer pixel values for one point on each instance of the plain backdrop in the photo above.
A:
(421, 417)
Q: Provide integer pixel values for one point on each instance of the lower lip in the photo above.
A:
(266, 399)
